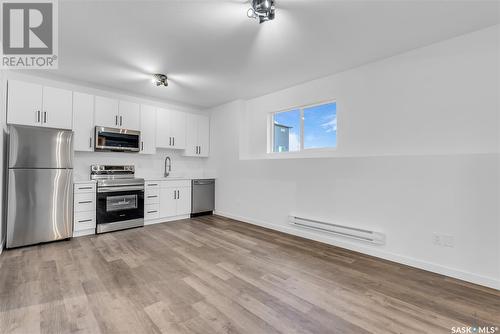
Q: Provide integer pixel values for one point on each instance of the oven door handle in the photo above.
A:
(117, 189)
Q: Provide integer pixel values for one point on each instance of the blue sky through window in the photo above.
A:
(320, 126)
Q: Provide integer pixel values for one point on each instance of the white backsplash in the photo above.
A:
(147, 166)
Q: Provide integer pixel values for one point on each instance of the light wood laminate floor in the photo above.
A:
(216, 275)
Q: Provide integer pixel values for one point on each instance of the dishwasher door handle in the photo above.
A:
(203, 182)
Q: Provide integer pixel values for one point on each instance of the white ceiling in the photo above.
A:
(213, 53)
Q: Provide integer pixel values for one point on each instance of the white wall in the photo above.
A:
(417, 155)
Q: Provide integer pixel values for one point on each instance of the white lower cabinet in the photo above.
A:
(167, 199)
(84, 208)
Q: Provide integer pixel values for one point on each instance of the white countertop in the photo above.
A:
(84, 181)
(156, 178)
(174, 178)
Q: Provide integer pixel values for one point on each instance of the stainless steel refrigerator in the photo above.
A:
(40, 185)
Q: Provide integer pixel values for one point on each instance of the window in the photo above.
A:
(311, 127)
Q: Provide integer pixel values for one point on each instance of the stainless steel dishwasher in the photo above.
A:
(202, 196)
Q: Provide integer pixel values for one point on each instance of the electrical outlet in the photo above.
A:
(448, 240)
(443, 240)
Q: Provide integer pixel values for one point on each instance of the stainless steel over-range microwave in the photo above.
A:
(113, 139)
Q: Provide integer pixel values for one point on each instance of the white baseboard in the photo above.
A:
(165, 220)
(489, 282)
(81, 233)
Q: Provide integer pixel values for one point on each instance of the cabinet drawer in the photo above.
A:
(176, 184)
(151, 198)
(85, 187)
(151, 185)
(84, 220)
(151, 191)
(84, 202)
(151, 211)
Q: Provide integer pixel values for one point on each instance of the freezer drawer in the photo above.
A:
(202, 196)
(40, 206)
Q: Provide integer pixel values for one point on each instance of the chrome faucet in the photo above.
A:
(167, 172)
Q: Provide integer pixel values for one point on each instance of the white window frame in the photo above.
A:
(270, 122)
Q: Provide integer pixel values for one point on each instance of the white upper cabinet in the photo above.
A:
(106, 112)
(112, 113)
(129, 115)
(83, 122)
(148, 129)
(171, 129)
(203, 135)
(33, 104)
(24, 103)
(178, 129)
(191, 135)
(163, 137)
(57, 106)
(197, 135)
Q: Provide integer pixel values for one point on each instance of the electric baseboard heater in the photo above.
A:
(341, 230)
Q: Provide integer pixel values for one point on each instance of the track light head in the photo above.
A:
(160, 80)
(262, 9)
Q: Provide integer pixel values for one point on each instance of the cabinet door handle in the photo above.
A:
(152, 196)
(169, 141)
(199, 150)
(90, 142)
(85, 220)
(85, 202)
(37, 116)
(45, 116)
(152, 184)
(142, 146)
(154, 211)
(84, 188)
(178, 194)
(120, 121)
(173, 141)
(116, 120)
(175, 194)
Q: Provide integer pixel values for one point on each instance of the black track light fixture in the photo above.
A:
(160, 80)
(262, 10)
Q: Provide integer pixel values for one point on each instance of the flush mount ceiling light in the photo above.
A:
(160, 80)
(262, 10)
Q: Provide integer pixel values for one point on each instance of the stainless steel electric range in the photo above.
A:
(120, 197)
